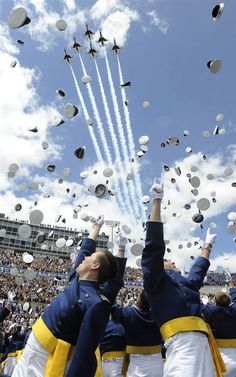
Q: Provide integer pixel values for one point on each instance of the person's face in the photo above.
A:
(89, 263)
(169, 265)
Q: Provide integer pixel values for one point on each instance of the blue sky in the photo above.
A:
(165, 49)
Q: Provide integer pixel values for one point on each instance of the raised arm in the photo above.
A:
(200, 267)
(112, 287)
(92, 331)
(88, 245)
(154, 250)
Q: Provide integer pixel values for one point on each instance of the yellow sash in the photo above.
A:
(226, 343)
(143, 350)
(113, 355)
(184, 324)
(99, 366)
(58, 349)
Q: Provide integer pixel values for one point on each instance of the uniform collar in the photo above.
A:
(91, 283)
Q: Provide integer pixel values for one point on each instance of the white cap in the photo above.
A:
(36, 216)
(13, 167)
(222, 131)
(203, 204)
(193, 168)
(69, 242)
(228, 171)
(26, 306)
(186, 133)
(136, 249)
(143, 140)
(210, 176)
(126, 229)
(61, 242)
(206, 134)
(231, 227)
(66, 172)
(219, 117)
(86, 79)
(214, 65)
(146, 104)
(188, 150)
(24, 231)
(28, 258)
(61, 25)
(107, 172)
(146, 199)
(84, 174)
(84, 216)
(130, 176)
(195, 181)
(217, 11)
(232, 216)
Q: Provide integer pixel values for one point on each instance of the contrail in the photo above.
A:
(120, 130)
(113, 135)
(130, 138)
(104, 142)
(86, 116)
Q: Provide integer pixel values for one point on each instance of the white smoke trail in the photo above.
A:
(130, 138)
(125, 204)
(121, 132)
(86, 116)
(113, 136)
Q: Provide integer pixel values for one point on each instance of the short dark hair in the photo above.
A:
(142, 302)
(108, 266)
(222, 299)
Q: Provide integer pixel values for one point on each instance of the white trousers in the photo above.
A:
(145, 365)
(9, 365)
(229, 357)
(33, 360)
(112, 367)
(188, 355)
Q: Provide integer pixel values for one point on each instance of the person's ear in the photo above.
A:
(95, 266)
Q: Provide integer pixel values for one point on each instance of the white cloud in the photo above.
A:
(6, 44)
(162, 23)
(103, 8)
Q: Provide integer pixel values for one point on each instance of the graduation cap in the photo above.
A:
(61, 25)
(203, 204)
(24, 231)
(51, 168)
(35, 129)
(18, 207)
(36, 216)
(198, 218)
(173, 140)
(86, 79)
(18, 18)
(60, 92)
(217, 11)
(20, 42)
(79, 153)
(126, 84)
(13, 63)
(214, 65)
(70, 111)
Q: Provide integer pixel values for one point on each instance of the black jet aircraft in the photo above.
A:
(67, 57)
(76, 45)
(88, 32)
(115, 47)
(101, 39)
(92, 50)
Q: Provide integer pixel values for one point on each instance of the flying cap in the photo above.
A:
(146, 199)
(61, 25)
(13, 63)
(40, 238)
(130, 176)
(84, 216)
(57, 121)
(186, 132)
(232, 216)
(214, 65)
(228, 171)
(60, 92)
(18, 207)
(210, 176)
(100, 190)
(126, 229)
(206, 134)
(146, 104)
(86, 79)
(70, 111)
(66, 172)
(143, 140)
(69, 242)
(61, 242)
(45, 145)
(24, 231)
(79, 153)
(13, 167)
(144, 148)
(177, 170)
(203, 204)
(195, 181)
(198, 218)
(3, 232)
(136, 249)
(140, 154)
(173, 140)
(193, 168)
(188, 150)
(36, 216)
(84, 174)
(18, 18)
(231, 227)
(26, 306)
(222, 131)
(28, 258)
(107, 172)
(217, 11)
(219, 117)
(51, 168)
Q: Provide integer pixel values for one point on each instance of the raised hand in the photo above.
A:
(157, 190)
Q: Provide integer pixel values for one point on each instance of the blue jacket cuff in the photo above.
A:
(154, 229)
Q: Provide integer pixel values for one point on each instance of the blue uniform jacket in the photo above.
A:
(140, 328)
(222, 320)
(79, 315)
(170, 294)
(114, 338)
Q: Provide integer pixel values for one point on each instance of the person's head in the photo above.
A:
(222, 299)
(100, 266)
(169, 265)
(142, 302)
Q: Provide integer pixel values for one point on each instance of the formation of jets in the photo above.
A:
(92, 51)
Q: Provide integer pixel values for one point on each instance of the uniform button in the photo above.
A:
(63, 314)
(72, 306)
(86, 295)
(80, 301)
(59, 324)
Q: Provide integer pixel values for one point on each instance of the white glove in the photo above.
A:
(228, 276)
(210, 238)
(157, 190)
(98, 220)
(120, 239)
